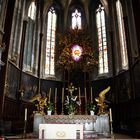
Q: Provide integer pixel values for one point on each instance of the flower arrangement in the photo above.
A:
(71, 102)
(50, 106)
(91, 107)
(78, 37)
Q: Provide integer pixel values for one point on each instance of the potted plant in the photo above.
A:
(72, 104)
(91, 107)
(50, 108)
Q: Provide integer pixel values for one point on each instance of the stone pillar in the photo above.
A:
(38, 119)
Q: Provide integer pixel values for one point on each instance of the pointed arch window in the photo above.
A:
(50, 42)
(102, 40)
(76, 19)
(32, 11)
(29, 39)
(16, 32)
(122, 37)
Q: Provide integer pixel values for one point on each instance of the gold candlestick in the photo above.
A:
(85, 101)
(49, 95)
(110, 114)
(79, 101)
(111, 127)
(79, 94)
(85, 96)
(55, 109)
(62, 112)
(91, 95)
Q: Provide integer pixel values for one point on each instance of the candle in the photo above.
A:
(25, 114)
(85, 96)
(62, 95)
(110, 114)
(49, 95)
(91, 94)
(55, 95)
(79, 95)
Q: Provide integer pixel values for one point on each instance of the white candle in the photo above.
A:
(25, 114)
(55, 95)
(49, 95)
(85, 96)
(79, 95)
(91, 94)
(110, 114)
(62, 95)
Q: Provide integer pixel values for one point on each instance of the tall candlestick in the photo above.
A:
(55, 108)
(49, 95)
(25, 114)
(55, 95)
(110, 114)
(85, 101)
(85, 96)
(79, 95)
(91, 94)
(62, 95)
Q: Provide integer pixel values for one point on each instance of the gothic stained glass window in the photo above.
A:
(102, 40)
(16, 32)
(122, 37)
(29, 46)
(50, 42)
(76, 19)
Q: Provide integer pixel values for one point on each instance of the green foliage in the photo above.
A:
(90, 106)
(50, 106)
(71, 107)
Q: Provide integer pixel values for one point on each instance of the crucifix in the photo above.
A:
(71, 88)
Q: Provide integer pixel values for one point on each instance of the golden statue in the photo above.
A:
(101, 101)
(40, 103)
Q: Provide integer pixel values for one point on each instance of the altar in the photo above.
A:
(93, 126)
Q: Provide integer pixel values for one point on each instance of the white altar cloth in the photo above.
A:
(60, 131)
(93, 125)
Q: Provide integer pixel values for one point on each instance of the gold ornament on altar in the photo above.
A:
(76, 51)
(101, 101)
(40, 103)
(71, 88)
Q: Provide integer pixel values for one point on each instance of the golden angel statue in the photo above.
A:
(101, 101)
(40, 103)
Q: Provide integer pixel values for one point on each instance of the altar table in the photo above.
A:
(93, 125)
(60, 131)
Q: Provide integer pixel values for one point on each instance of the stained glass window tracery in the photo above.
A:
(122, 37)
(76, 19)
(29, 43)
(32, 11)
(50, 42)
(102, 40)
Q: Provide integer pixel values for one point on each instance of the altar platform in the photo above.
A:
(93, 126)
